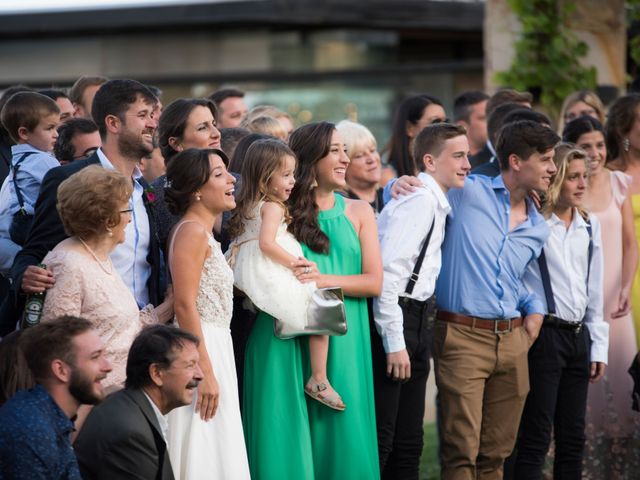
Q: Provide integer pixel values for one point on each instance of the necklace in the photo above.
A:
(106, 266)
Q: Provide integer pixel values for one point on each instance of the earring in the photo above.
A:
(626, 144)
(109, 232)
(314, 184)
(198, 198)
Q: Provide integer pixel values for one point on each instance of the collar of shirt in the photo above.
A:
(533, 215)
(429, 182)
(494, 156)
(63, 424)
(576, 222)
(104, 161)
(130, 258)
(162, 419)
(25, 147)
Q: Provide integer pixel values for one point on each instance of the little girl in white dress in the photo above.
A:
(264, 256)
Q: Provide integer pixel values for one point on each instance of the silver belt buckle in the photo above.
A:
(496, 328)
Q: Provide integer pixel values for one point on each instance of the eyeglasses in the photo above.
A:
(128, 210)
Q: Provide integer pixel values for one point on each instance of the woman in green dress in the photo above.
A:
(340, 236)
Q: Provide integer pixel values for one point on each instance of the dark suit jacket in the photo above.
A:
(47, 231)
(121, 439)
(482, 157)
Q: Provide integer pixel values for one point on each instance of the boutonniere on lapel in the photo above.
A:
(150, 195)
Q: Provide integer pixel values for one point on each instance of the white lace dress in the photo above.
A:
(271, 287)
(87, 289)
(213, 449)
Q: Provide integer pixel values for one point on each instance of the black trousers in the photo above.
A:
(242, 321)
(559, 368)
(400, 406)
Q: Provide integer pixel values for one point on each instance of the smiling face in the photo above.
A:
(44, 136)
(365, 167)
(89, 368)
(536, 172)
(135, 138)
(180, 380)
(217, 194)
(593, 143)
(282, 180)
(450, 168)
(200, 131)
(331, 170)
(574, 185)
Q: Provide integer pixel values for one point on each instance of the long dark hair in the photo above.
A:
(186, 173)
(410, 110)
(310, 143)
(622, 114)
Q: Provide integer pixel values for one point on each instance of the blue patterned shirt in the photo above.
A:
(34, 439)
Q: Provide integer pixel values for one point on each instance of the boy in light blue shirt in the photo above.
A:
(31, 120)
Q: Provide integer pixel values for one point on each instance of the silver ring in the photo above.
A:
(307, 270)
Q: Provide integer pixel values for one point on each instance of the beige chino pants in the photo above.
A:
(483, 381)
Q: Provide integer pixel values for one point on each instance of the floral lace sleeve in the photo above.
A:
(148, 316)
(65, 297)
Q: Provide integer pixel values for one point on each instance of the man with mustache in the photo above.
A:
(125, 437)
(67, 360)
(124, 113)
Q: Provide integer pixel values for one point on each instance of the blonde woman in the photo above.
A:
(578, 104)
(365, 169)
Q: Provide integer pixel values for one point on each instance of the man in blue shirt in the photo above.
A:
(481, 339)
(67, 360)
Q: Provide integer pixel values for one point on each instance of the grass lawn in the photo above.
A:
(429, 463)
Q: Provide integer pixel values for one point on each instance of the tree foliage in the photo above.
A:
(547, 54)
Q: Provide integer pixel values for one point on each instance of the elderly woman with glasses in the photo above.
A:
(94, 207)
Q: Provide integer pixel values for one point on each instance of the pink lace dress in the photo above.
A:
(613, 428)
(88, 289)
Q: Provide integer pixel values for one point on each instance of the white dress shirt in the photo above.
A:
(403, 226)
(162, 419)
(130, 258)
(567, 254)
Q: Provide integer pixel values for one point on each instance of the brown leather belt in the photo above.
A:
(496, 326)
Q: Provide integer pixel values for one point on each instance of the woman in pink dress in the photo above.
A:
(94, 208)
(611, 424)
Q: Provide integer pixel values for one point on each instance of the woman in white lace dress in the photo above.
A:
(206, 439)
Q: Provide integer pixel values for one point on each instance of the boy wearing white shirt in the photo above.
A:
(571, 349)
(411, 230)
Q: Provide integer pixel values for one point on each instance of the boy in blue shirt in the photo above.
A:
(31, 120)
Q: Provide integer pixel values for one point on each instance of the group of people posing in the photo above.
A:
(515, 280)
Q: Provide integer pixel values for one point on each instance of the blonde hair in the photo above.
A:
(268, 125)
(585, 96)
(355, 136)
(565, 153)
(89, 201)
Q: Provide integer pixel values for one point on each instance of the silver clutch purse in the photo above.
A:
(325, 316)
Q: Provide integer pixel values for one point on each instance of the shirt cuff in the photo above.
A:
(393, 343)
(599, 334)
